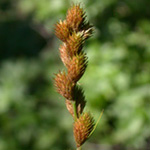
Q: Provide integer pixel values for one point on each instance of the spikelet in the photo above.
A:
(77, 67)
(83, 126)
(62, 30)
(75, 17)
(64, 86)
(75, 43)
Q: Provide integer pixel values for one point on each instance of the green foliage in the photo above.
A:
(32, 115)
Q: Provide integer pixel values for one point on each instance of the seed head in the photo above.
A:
(75, 17)
(77, 67)
(64, 86)
(62, 30)
(83, 126)
(74, 43)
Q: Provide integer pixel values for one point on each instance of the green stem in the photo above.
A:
(75, 111)
(79, 148)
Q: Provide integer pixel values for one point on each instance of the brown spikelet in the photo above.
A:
(64, 86)
(62, 30)
(75, 17)
(74, 43)
(83, 126)
(77, 67)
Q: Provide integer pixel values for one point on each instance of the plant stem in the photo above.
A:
(79, 148)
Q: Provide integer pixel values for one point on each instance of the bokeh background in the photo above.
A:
(33, 116)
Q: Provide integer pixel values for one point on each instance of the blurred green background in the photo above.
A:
(33, 116)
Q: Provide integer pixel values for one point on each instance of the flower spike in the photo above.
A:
(83, 126)
(73, 32)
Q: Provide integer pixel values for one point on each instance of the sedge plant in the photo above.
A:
(73, 32)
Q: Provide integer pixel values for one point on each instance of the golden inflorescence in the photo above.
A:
(73, 32)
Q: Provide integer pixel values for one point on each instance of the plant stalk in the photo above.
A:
(79, 148)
